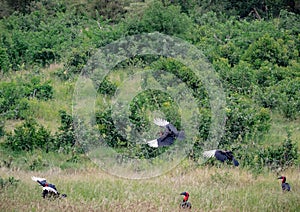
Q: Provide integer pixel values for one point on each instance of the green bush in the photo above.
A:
(276, 157)
(4, 60)
(28, 137)
(167, 20)
(267, 48)
(65, 137)
(14, 96)
(244, 119)
(2, 125)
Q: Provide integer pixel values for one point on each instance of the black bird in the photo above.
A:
(221, 155)
(185, 204)
(168, 136)
(49, 190)
(285, 186)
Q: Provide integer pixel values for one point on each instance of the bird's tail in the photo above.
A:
(181, 135)
(235, 162)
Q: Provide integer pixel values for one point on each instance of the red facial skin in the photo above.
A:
(186, 197)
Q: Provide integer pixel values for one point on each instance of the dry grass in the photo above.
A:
(211, 189)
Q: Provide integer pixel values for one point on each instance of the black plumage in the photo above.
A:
(284, 185)
(49, 190)
(221, 155)
(185, 204)
(168, 136)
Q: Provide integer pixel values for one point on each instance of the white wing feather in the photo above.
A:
(50, 189)
(153, 143)
(160, 122)
(37, 179)
(209, 153)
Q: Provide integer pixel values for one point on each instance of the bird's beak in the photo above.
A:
(183, 193)
(279, 178)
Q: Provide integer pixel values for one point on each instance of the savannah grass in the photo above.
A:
(211, 189)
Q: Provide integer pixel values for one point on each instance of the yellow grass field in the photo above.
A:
(211, 189)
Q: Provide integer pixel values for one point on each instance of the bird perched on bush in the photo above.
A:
(221, 155)
(185, 204)
(168, 136)
(49, 190)
(285, 186)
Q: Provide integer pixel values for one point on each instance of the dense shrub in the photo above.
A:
(4, 60)
(65, 137)
(14, 96)
(244, 119)
(168, 20)
(275, 157)
(29, 136)
(13, 102)
(267, 48)
(2, 125)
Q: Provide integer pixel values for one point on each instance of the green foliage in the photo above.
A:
(257, 59)
(13, 104)
(289, 98)
(10, 181)
(244, 119)
(14, 96)
(185, 74)
(168, 20)
(2, 125)
(76, 61)
(111, 10)
(65, 137)
(4, 60)
(268, 49)
(29, 136)
(107, 88)
(273, 157)
(108, 130)
(37, 163)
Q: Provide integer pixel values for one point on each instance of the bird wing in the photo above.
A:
(166, 140)
(153, 143)
(286, 187)
(36, 179)
(209, 153)
(160, 122)
(221, 156)
(172, 128)
(50, 189)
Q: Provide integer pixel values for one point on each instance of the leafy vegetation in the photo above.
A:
(253, 46)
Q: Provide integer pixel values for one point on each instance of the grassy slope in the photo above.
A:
(89, 189)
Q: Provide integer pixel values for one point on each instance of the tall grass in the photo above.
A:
(211, 189)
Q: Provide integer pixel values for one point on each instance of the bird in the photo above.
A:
(221, 155)
(49, 190)
(168, 136)
(185, 204)
(285, 186)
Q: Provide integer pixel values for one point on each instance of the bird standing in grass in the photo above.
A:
(185, 204)
(169, 135)
(49, 190)
(221, 155)
(285, 186)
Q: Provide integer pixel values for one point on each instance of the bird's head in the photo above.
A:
(283, 178)
(186, 196)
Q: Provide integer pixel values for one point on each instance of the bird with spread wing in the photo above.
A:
(168, 136)
(221, 155)
(49, 190)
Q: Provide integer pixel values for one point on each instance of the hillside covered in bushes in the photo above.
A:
(253, 46)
